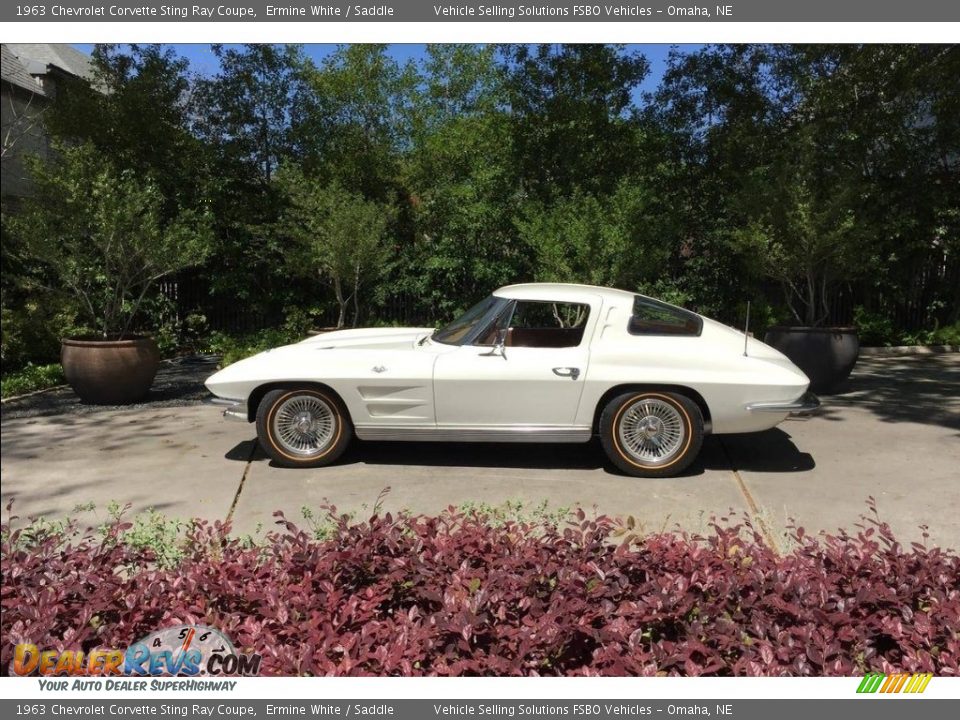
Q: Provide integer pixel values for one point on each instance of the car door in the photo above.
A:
(534, 380)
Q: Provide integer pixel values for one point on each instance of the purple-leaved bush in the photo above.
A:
(457, 595)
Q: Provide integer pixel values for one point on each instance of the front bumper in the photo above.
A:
(806, 404)
(235, 410)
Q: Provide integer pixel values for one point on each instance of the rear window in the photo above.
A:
(652, 317)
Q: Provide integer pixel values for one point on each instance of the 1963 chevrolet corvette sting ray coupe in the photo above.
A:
(530, 363)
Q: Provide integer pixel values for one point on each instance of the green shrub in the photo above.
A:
(175, 336)
(516, 512)
(150, 530)
(232, 348)
(30, 378)
(874, 328)
(877, 329)
(31, 329)
(167, 338)
(947, 335)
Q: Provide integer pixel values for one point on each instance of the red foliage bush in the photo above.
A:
(452, 595)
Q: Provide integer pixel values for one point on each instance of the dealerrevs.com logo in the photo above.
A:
(184, 650)
(908, 683)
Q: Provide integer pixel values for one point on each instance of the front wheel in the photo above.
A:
(303, 427)
(651, 433)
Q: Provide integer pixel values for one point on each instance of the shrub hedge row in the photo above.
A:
(457, 595)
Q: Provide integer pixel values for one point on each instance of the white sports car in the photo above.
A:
(530, 363)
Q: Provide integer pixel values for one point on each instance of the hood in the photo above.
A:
(373, 338)
(300, 361)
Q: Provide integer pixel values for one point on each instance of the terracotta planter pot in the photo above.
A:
(110, 372)
(826, 355)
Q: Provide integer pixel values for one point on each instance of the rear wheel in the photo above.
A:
(303, 427)
(651, 433)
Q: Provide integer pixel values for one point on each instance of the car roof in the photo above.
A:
(569, 292)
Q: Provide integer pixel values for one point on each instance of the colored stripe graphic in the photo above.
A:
(912, 683)
(870, 683)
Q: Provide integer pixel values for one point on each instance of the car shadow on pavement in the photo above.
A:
(771, 451)
(246, 451)
(508, 455)
(920, 388)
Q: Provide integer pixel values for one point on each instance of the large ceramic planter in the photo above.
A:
(826, 355)
(110, 372)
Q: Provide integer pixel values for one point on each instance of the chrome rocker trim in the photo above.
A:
(804, 405)
(510, 434)
(235, 410)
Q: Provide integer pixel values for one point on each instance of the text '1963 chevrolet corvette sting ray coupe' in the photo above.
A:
(530, 363)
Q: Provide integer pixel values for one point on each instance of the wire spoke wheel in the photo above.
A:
(652, 431)
(304, 425)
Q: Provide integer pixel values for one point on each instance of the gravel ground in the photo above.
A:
(179, 382)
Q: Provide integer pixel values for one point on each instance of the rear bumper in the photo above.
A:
(806, 404)
(235, 410)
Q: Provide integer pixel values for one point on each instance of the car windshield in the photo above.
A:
(464, 328)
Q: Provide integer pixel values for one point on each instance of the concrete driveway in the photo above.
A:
(892, 433)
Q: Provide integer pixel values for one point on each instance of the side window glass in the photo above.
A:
(547, 324)
(652, 317)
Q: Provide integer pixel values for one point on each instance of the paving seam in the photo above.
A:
(243, 480)
(751, 503)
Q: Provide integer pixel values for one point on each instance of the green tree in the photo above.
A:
(571, 115)
(463, 182)
(889, 113)
(335, 236)
(246, 108)
(352, 128)
(606, 240)
(244, 116)
(135, 112)
(810, 152)
(103, 234)
(804, 233)
(707, 126)
(353, 121)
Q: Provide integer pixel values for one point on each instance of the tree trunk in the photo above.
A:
(338, 290)
(356, 295)
(810, 311)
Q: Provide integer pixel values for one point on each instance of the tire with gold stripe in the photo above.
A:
(303, 427)
(651, 433)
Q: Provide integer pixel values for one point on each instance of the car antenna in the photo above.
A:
(746, 330)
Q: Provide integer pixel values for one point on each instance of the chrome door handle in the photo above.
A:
(570, 372)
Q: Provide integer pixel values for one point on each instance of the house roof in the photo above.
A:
(15, 72)
(37, 57)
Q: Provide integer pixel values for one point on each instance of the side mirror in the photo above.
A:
(499, 346)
